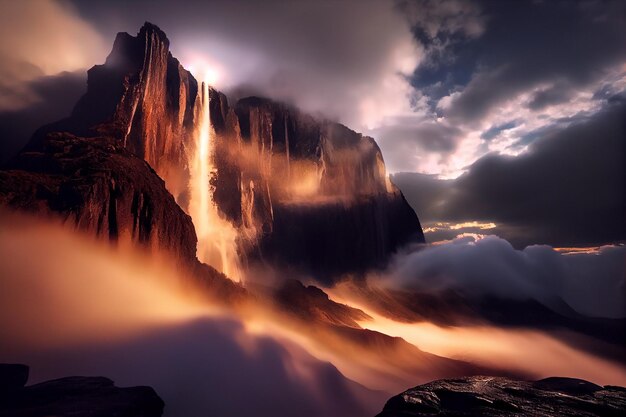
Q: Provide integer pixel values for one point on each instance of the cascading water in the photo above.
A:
(217, 238)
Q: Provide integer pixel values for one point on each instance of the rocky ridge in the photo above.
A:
(496, 396)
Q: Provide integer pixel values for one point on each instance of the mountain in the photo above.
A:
(144, 99)
(303, 193)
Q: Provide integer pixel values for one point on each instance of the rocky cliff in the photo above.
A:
(142, 97)
(301, 192)
(315, 193)
(101, 188)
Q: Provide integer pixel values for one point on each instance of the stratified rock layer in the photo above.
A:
(76, 397)
(101, 188)
(495, 396)
(142, 97)
(316, 193)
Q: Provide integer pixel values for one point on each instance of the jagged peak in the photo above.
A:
(148, 29)
(128, 50)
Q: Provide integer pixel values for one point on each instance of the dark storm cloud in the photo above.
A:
(494, 131)
(54, 97)
(555, 94)
(567, 190)
(524, 45)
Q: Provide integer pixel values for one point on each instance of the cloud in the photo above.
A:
(205, 367)
(494, 131)
(41, 38)
(567, 190)
(429, 80)
(568, 44)
(491, 266)
(554, 94)
(57, 95)
(345, 60)
(411, 142)
(537, 63)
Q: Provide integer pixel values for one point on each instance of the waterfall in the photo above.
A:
(217, 237)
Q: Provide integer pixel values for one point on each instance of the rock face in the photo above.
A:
(314, 193)
(142, 97)
(313, 305)
(74, 396)
(100, 187)
(496, 396)
(302, 193)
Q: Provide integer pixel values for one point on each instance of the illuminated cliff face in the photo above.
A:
(217, 237)
(268, 182)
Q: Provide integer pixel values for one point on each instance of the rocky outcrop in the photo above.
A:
(74, 396)
(101, 188)
(312, 304)
(496, 396)
(13, 377)
(143, 98)
(332, 238)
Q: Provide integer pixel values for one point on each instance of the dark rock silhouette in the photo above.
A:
(74, 396)
(13, 377)
(312, 304)
(495, 396)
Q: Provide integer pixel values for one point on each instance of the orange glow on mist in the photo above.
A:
(522, 350)
(59, 287)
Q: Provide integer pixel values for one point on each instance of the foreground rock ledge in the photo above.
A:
(74, 396)
(495, 396)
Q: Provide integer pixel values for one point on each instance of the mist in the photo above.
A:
(119, 313)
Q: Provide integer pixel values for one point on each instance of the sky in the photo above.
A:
(458, 93)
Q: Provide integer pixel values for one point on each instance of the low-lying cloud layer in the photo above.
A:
(122, 315)
(592, 284)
